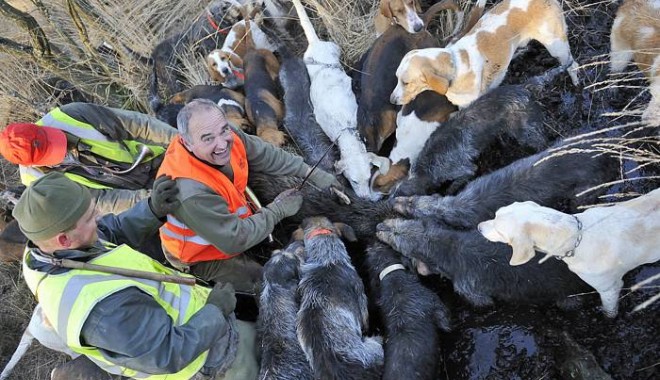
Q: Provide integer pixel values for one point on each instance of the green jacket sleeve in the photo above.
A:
(207, 213)
(266, 158)
(140, 127)
(115, 201)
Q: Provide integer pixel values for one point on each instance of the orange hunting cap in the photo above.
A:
(32, 145)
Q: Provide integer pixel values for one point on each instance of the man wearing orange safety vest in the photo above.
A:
(211, 161)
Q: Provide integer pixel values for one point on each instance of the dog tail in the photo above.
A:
(23, 345)
(306, 24)
(475, 14)
(441, 6)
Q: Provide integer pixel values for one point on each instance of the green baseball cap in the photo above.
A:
(50, 205)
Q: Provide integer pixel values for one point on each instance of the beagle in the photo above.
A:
(225, 65)
(478, 61)
(231, 102)
(636, 35)
(376, 115)
(262, 101)
(401, 12)
(599, 245)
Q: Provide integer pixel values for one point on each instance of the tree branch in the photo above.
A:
(27, 22)
(14, 48)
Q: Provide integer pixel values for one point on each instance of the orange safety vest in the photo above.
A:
(177, 238)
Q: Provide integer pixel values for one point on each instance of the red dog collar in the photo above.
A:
(319, 231)
(215, 26)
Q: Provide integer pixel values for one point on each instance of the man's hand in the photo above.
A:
(324, 180)
(287, 203)
(164, 198)
(224, 297)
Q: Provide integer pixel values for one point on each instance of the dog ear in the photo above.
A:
(523, 250)
(298, 234)
(179, 97)
(437, 83)
(385, 9)
(418, 6)
(346, 231)
(236, 61)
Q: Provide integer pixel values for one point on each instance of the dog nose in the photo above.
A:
(393, 99)
(418, 27)
(225, 71)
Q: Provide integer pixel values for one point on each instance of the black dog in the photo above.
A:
(282, 358)
(506, 119)
(478, 268)
(299, 119)
(552, 183)
(411, 314)
(206, 33)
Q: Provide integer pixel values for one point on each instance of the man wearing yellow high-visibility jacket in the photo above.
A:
(115, 153)
(139, 328)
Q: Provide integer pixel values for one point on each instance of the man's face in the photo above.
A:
(210, 137)
(85, 234)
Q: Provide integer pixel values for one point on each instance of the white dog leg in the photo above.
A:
(610, 299)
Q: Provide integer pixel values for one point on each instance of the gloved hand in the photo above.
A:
(164, 198)
(287, 203)
(324, 180)
(224, 297)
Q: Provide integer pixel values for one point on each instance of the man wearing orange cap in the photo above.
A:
(113, 152)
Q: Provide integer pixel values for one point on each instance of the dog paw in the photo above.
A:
(273, 136)
(404, 205)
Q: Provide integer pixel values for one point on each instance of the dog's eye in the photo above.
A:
(214, 64)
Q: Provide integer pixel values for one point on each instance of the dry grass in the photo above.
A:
(26, 93)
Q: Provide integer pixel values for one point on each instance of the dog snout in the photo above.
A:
(394, 99)
(417, 27)
(225, 71)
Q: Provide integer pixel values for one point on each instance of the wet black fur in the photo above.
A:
(505, 119)
(411, 314)
(282, 358)
(479, 269)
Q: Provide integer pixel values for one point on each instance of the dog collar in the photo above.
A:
(578, 240)
(209, 18)
(319, 231)
(389, 270)
(239, 74)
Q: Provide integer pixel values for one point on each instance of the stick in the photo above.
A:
(66, 263)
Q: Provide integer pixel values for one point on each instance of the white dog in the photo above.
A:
(600, 245)
(335, 108)
(41, 329)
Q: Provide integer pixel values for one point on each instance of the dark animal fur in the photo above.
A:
(282, 358)
(411, 314)
(200, 37)
(262, 104)
(362, 215)
(333, 310)
(376, 116)
(478, 268)
(551, 183)
(234, 114)
(505, 119)
(299, 119)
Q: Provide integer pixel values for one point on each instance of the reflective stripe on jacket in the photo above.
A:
(177, 238)
(68, 298)
(98, 144)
